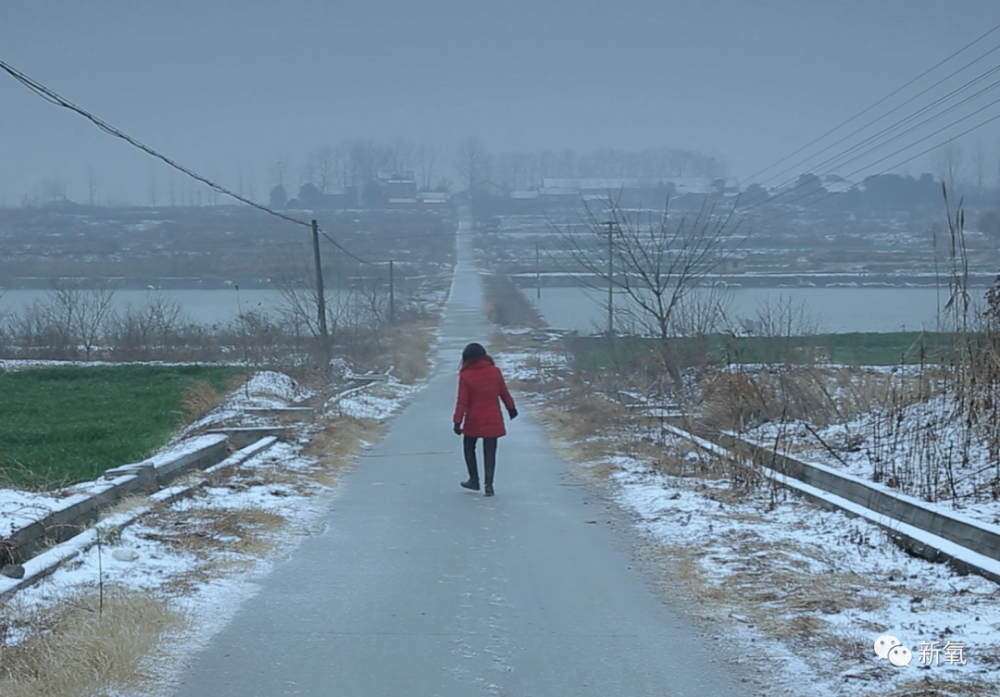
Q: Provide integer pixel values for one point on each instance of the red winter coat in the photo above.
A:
(480, 389)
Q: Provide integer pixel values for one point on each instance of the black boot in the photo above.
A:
(489, 462)
(469, 448)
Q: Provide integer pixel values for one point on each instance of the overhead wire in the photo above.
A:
(895, 138)
(879, 102)
(837, 160)
(53, 97)
(898, 107)
(762, 200)
(891, 167)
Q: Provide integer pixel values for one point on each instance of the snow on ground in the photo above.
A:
(910, 449)
(893, 592)
(805, 591)
(184, 553)
(277, 386)
(21, 508)
(528, 365)
(18, 509)
(204, 584)
(377, 401)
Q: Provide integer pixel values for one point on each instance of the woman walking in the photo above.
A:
(477, 413)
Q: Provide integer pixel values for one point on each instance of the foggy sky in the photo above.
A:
(227, 87)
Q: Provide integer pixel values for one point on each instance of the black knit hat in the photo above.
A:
(473, 350)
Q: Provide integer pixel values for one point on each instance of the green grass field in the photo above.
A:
(65, 424)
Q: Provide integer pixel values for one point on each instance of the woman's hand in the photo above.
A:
(458, 429)
(512, 413)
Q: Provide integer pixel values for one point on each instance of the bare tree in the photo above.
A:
(51, 189)
(87, 312)
(514, 171)
(948, 161)
(322, 167)
(426, 158)
(68, 318)
(473, 163)
(655, 262)
(147, 330)
(399, 156)
(362, 162)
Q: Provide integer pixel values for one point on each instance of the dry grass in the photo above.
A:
(411, 345)
(934, 687)
(73, 650)
(817, 395)
(770, 585)
(125, 505)
(205, 532)
(338, 442)
(79, 649)
(506, 305)
(769, 592)
(786, 590)
(579, 415)
(678, 461)
(199, 399)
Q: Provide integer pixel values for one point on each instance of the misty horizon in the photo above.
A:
(237, 91)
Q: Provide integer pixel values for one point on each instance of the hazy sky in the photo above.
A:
(229, 86)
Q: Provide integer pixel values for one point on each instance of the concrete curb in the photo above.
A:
(139, 478)
(969, 545)
(47, 562)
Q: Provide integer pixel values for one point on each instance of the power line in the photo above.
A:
(54, 98)
(924, 123)
(879, 146)
(878, 103)
(900, 163)
(889, 129)
(766, 199)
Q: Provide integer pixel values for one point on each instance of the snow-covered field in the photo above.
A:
(812, 589)
(805, 591)
(203, 554)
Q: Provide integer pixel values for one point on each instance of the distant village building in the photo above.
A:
(732, 265)
(632, 191)
(398, 187)
(678, 185)
(433, 198)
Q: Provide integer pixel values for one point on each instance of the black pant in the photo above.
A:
(489, 458)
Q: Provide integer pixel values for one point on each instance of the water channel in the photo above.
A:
(812, 310)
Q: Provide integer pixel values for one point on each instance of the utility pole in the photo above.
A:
(538, 273)
(611, 278)
(320, 299)
(392, 295)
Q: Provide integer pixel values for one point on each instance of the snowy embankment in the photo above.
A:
(202, 554)
(805, 590)
(894, 451)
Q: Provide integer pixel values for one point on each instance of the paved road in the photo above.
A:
(422, 589)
